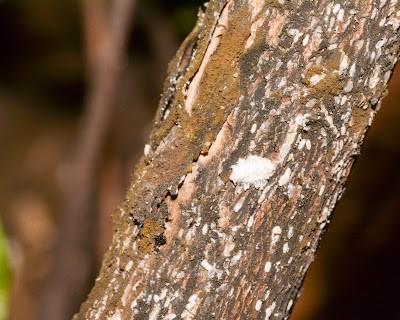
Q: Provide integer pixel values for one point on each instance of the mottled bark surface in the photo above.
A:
(262, 116)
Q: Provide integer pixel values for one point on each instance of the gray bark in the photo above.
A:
(262, 116)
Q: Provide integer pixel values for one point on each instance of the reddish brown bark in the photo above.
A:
(263, 113)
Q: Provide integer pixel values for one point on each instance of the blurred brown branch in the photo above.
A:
(96, 26)
(163, 39)
(74, 258)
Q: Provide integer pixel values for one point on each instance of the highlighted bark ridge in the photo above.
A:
(263, 112)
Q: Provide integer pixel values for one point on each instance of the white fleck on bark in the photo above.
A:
(263, 113)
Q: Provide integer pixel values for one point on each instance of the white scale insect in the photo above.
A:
(253, 171)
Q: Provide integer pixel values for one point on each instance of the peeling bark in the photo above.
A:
(262, 116)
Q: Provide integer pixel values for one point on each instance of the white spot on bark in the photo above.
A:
(348, 87)
(340, 15)
(147, 149)
(316, 78)
(268, 266)
(306, 39)
(284, 179)
(321, 190)
(235, 259)
(206, 265)
(285, 248)
(250, 222)
(302, 121)
(269, 311)
(373, 81)
(352, 70)
(290, 232)
(228, 248)
(253, 171)
(289, 306)
(296, 34)
(166, 114)
(344, 63)
(302, 143)
(374, 13)
(258, 305)
(289, 139)
(308, 144)
(129, 266)
(275, 235)
(336, 8)
(239, 204)
(290, 190)
(324, 216)
(212, 270)
(204, 230)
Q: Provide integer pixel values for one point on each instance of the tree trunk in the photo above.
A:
(262, 116)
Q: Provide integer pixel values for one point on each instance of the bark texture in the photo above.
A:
(262, 116)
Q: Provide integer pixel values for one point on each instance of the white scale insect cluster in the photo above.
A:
(253, 171)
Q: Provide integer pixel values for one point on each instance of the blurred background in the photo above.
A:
(79, 84)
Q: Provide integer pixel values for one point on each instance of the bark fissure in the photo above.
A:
(238, 183)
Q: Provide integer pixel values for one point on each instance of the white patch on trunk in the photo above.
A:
(269, 311)
(374, 79)
(268, 266)
(285, 248)
(284, 179)
(344, 63)
(289, 306)
(275, 235)
(316, 78)
(253, 171)
(147, 149)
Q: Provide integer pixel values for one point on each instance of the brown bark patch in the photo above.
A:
(150, 236)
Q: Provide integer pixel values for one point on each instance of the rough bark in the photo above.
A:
(262, 116)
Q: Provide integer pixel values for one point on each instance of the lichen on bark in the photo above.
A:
(293, 84)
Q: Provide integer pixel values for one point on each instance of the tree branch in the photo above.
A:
(263, 113)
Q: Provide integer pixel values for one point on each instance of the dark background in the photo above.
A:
(45, 78)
